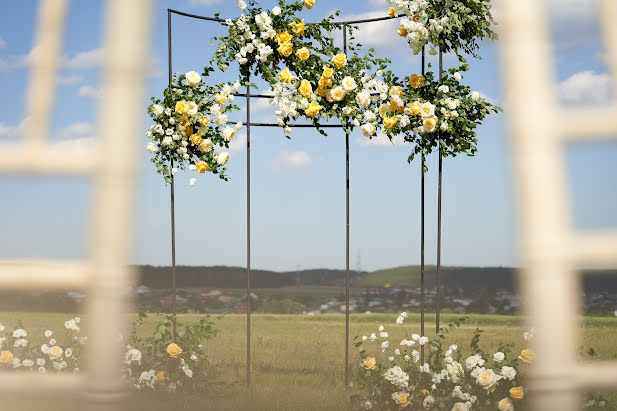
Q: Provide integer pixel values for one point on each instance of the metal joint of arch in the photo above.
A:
(250, 124)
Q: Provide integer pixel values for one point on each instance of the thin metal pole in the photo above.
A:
(438, 291)
(248, 232)
(173, 211)
(347, 238)
(422, 236)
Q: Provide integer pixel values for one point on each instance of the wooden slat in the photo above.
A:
(43, 275)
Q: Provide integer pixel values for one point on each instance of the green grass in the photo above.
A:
(298, 360)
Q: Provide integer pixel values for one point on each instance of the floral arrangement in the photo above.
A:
(190, 126)
(392, 378)
(60, 353)
(450, 25)
(158, 362)
(430, 112)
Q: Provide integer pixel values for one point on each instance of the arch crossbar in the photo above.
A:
(248, 95)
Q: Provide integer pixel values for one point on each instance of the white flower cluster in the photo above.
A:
(397, 376)
(288, 101)
(252, 43)
(413, 26)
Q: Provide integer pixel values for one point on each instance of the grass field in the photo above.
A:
(298, 360)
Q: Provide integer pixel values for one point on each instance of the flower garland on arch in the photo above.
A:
(430, 112)
(190, 126)
(450, 25)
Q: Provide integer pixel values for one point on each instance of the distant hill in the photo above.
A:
(458, 277)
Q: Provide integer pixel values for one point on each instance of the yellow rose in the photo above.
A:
(313, 109)
(305, 89)
(188, 130)
(527, 356)
(298, 27)
(285, 76)
(182, 107)
(396, 108)
(183, 120)
(403, 400)
(322, 91)
(396, 91)
(328, 72)
(424, 392)
(173, 349)
(303, 53)
(309, 3)
(160, 375)
(195, 139)
(283, 38)
(6, 357)
(369, 363)
(219, 98)
(517, 393)
(55, 352)
(285, 49)
(430, 124)
(201, 166)
(204, 121)
(415, 108)
(416, 81)
(339, 60)
(325, 82)
(392, 12)
(390, 122)
(402, 32)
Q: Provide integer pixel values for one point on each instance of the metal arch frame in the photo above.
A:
(249, 124)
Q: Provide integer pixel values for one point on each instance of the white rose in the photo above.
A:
(48, 333)
(192, 78)
(151, 147)
(499, 356)
(363, 98)
(349, 83)
(508, 372)
(222, 158)
(427, 110)
(228, 133)
(241, 4)
(505, 405)
(368, 129)
(443, 89)
(475, 95)
(457, 76)
(460, 406)
(157, 109)
(192, 108)
(276, 10)
(487, 379)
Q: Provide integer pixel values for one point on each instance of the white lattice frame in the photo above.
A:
(550, 248)
(112, 165)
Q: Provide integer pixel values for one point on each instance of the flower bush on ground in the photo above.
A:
(391, 376)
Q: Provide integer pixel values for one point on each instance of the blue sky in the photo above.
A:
(298, 197)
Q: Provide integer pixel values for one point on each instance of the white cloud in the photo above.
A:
(89, 92)
(290, 160)
(75, 131)
(2, 43)
(70, 80)
(377, 34)
(7, 131)
(204, 2)
(238, 144)
(586, 87)
(381, 140)
(79, 144)
(84, 60)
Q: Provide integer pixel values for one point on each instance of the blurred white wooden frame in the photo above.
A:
(550, 248)
(112, 167)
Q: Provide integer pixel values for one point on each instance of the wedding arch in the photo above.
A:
(424, 131)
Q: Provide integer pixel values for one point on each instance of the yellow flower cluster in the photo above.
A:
(370, 363)
(285, 46)
(6, 357)
(174, 350)
(416, 80)
(403, 400)
(325, 82)
(298, 27)
(313, 109)
(309, 3)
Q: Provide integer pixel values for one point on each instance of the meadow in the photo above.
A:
(298, 360)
